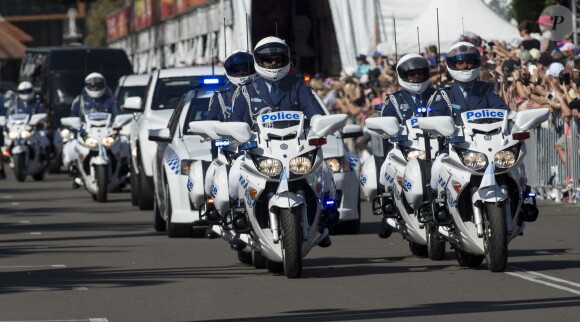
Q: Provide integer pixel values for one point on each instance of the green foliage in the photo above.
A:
(527, 9)
(96, 20)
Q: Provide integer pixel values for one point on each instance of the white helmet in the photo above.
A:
(25, 91)
(463, 52)
(413, 73)
(239, 66)
(272, 57)
(95, 85)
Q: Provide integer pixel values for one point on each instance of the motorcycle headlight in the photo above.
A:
(12, 135)
(300, 165)
(65, 134)
(474, 160)
(270, 167)
(25, 134)
(505, 159)
(337, 164)
(414, 154)
(108, 141)
(91, 143)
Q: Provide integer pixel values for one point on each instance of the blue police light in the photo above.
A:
(211, 81)
(222, 143)
(532, 195)
(248, 146)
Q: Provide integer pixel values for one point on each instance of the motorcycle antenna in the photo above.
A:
(225, 51)
(462, 28)
(396, 56)
(438, 49)
(212, 61)
(248, 39)
(276, 25)
(418, 42)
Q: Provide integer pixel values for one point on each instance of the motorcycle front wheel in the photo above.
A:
(101, 171)
(19, 167)
(495, 238)
(291, 242)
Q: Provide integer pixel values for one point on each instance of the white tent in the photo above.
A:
(360, 24)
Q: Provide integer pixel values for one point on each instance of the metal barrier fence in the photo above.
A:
(547, 174)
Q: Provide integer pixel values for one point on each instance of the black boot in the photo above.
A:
(325, 242)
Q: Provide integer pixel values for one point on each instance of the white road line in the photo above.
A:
(36, 266)
(7, 197)
(36, 233)
(541, 279)
(15, 203)
(79, 289)
(25, 221)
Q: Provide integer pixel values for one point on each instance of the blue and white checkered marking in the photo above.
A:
(189, 184)
(173, 162)
(353, 161)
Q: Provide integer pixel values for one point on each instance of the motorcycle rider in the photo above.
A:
(275, 89)
(26, 101)
(239, 67)
(95, 97)
(417, 98)
(467, 93)
(2, 113)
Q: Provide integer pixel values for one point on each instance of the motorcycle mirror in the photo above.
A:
(205, 129)
(529, 119)
(438, 125)
(237, 131)
(351, 131)
(383, 125)
(2, 120)
(323, 125)
(71, 122)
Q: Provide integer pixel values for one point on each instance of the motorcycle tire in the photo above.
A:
(274, 267)
(467, 260)
(159, 223)
(134, 187)
(417, 249)
(19, 167)
(435, 245)
(176, 230)
(291, 242)
(245, 257)
(258, 260)
(145, 189)
(495, 238)
(102, 181)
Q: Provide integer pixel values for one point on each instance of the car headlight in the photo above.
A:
(300, 165)
(185, 167)
(337, 164)
(474, 160)
(12, 135)
(108, 141)
(414, 154)
(270, 167)
(91, 143)
(505, 159)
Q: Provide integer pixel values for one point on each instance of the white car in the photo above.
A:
(165, 90)
(177, 150)
(130, 86)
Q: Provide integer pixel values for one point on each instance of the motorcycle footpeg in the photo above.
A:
(385, 230)
(77, 183)
(212, 216)
(441, 215)
(384, 205)
(240, 221)
(210, 234)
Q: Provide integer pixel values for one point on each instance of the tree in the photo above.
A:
(96, 20)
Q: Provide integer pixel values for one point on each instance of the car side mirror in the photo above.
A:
(133, 104)
(159, 135)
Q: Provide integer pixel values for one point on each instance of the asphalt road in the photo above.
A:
(64, 257)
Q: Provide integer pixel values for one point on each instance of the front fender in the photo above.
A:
(286, 199)
(98, 160)
(195, 184)
(491, 194)
(18, 149)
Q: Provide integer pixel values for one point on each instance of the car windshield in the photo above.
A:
(129, 91)
(169, 91)
(197, 112)
(64, 87)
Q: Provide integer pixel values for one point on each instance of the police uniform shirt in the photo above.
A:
(28, 107)
(481, 95)
(104, 104)
(291, 94)
(215, 111)
(409, 103)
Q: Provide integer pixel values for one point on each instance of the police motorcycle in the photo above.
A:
(286, 198)
(483, 200)
(27, 145)
(404, 201)
(102, 153)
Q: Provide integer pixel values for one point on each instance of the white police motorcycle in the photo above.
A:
(286, 198)
(404, 201)
(482, 185)
(101, 152)
(27, 145)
